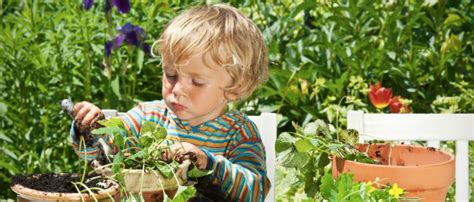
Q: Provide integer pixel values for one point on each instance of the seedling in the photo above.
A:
(145, 154)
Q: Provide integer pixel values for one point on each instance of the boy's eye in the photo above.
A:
(198, 83)
(170, 76)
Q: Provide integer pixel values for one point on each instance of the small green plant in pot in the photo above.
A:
(409, 166)
(139, 165)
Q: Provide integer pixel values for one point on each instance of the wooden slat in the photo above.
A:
(418, 126)
(462, 170)
(267, 126)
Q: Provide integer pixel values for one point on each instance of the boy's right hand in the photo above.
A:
(86, 114)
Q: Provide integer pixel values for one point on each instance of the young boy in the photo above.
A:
(211, 55)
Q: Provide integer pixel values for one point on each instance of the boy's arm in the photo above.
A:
(92, 151)
(242, 175)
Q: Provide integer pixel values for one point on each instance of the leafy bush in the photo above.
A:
(320, 52)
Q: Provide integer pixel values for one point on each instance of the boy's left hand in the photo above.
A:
(181, 151)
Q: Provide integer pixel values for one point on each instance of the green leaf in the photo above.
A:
(184, 193)
(327, 187)
(117, 164)
(119, 140)
(12, 168)
(160, 133)
(323, 160)
(115, 85)
(196, 172)
(139, 155)
(164, 169)
(303, 145)
(344, 185)
(4, 137)
(292, 159)
(113, 121)
(140, 56)
(285, 140)
(3, 108)
(146, 139)
(453, 20)
(148, 126)
(109, 131)
(156, 130)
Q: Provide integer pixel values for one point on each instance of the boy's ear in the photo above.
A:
(232, 95)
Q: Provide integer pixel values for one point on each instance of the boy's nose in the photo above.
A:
(179, 89)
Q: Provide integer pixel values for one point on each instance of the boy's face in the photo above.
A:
(196, 92)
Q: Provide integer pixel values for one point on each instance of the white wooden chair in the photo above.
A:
(425, 127)
(267, 125)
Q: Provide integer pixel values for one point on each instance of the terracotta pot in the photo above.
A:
(27, 194)
(423, 172)
(150, 188)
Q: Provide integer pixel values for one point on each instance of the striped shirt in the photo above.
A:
(231, 141)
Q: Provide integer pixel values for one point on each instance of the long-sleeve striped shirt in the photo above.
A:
(231, 141)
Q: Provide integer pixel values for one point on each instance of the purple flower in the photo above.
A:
(146, 49)
(87, 4)
(131, 35)
(108, 48)
(123, 6)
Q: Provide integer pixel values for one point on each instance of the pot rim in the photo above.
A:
(449, 161)
(33, 193)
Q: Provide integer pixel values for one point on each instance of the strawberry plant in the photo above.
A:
(345, 189)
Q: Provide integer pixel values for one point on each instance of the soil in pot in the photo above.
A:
(54, 186)
(424, 172)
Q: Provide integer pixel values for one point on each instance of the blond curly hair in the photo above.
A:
(222, 32)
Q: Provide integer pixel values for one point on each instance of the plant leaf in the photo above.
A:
(113, 121)
(303, 145)
(184, 193)
(196, 172)
(106, 130)
(327, 186)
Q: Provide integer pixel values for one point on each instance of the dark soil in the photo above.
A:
(61, 183)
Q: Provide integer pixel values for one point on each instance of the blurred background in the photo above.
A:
(323, 56)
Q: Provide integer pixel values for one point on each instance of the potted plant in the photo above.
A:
(410, 167)
(424, 172)
(139, 167)
(65, 187)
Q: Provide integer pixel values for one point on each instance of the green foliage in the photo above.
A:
(153, 142)
(310, 148)
(319, 51)
(345, 189)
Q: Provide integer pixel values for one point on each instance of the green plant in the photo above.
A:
(345, 189)
(320, 51)
(145, 153)
(342, 146)
(309, 148)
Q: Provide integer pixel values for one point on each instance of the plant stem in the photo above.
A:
(82, 142)
(88, 190)
(337, 117)
(78, 191)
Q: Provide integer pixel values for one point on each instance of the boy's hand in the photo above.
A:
(181, 151)
(86, 114)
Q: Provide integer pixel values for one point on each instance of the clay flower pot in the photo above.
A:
(423, 172)
(28, 194)
(150, 188)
